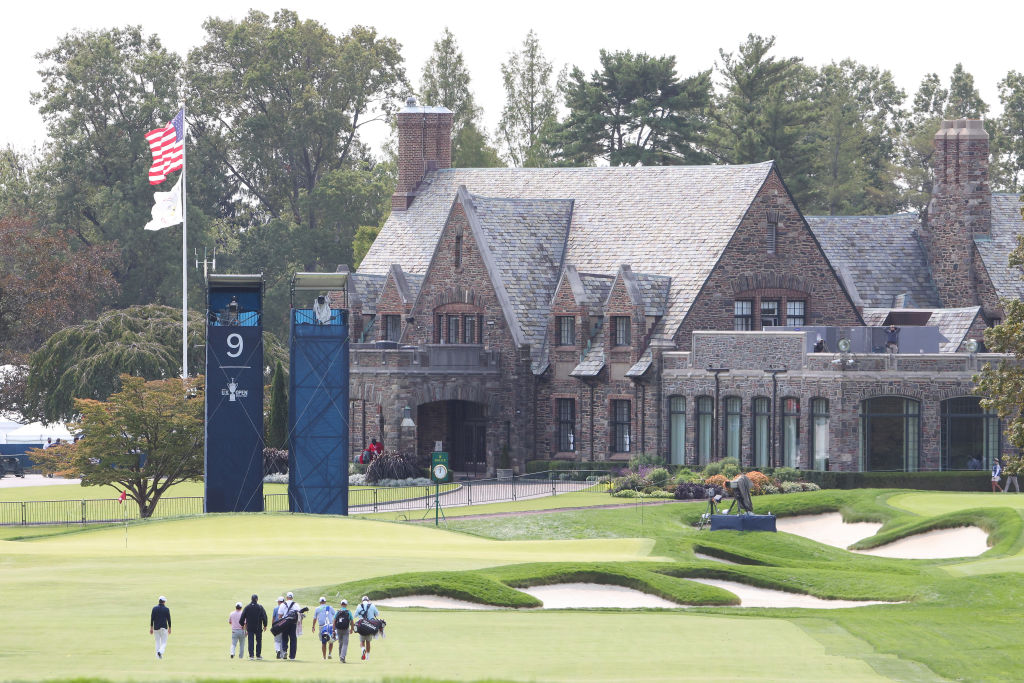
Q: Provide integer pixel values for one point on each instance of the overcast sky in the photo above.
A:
(908, 38)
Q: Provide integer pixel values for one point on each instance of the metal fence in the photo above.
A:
(361, 500)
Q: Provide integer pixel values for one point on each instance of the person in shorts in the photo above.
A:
(366, 610)
(323, 621)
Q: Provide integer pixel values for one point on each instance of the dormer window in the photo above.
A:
(620, 330)
(566, 330)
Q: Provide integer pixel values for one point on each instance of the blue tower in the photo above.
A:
(318, 398)
(234, 394)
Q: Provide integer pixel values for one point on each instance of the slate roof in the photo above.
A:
(654, 289)
(523, 241)
(591, 364)
(597, 288)
(674, 220)
(641, 366)
(882, 254)
(367, 288)
(953, 323)
(1007, 224)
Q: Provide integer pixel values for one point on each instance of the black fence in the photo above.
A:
(361, 500)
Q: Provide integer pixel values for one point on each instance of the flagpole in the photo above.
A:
(184, 249)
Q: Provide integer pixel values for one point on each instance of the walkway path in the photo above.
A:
(478, 493)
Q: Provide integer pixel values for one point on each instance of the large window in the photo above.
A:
(392, 327)
(769, 313)
(566, 330)
(620, 330)
(890, 428)
(796, 313)
(819, 433)
(566, 425)
(790, 432)
(469, 329)
(762, 430)
(620, 426)
(732, 426)
(743, 315)
(969, 435)
(677, 429)
(454, 323)
(705, 427)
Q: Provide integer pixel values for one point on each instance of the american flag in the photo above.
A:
(168, 147)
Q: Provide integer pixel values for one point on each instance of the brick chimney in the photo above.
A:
(960, 209)
(424, 144)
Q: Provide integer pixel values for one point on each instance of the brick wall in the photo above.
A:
(748, 350)
(424, 142)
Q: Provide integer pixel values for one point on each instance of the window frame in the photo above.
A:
(391, 330)
(565, 330)
(790, 436)
(621, 424)
(743, 322)
(622, 328)
(761, 411)
(819, 409)
(778, 312)
(732, 411)
(704, 438)
(791, 317)
(565, 425)
(677, 431)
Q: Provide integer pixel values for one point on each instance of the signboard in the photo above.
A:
(439, 458)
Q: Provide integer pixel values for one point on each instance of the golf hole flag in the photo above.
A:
(168, 147)
(166, 208)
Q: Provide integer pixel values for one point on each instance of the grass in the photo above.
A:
(957, 624)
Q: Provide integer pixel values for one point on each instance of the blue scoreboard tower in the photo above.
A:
(234, 394)
(318, 397)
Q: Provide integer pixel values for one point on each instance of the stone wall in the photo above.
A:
(748, 350)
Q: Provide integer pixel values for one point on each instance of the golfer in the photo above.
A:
(160, 626)
(366, 610)
(343, 626)
(289, 638)
(254, 621)
(277, 613)
(237, 631)
(324, 621)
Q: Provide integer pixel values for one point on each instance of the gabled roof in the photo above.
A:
(671, 220)
(591, 364)
(953, 323)
(408, 284)
(654, 291)
(1007, 224)
(881, 254)
(364, 289)
(597, 288)
(522, 241)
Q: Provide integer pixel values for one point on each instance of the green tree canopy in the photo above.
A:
(530, 103)
(1007, 143)
(635, 110)
(145, 439)
(88, 359)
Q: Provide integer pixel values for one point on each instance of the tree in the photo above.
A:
(964, 101)
(86, 360)
(1007, 170)
(277, 425)
(46, 282)
(471, 149)
(145, 439)
(101, 92)
(765, 112)
(635, 111)
(1002, 385)
(362, 242)
(855, 141)
(530, 103)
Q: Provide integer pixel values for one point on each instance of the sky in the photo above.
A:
(910, 39)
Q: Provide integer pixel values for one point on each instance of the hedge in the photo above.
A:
(602, 465)
(974, 480)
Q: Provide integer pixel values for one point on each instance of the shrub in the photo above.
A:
(631, 482)
(769, 489)
(689, 490)
(275, 461)
(718, 467)
(626, 493)
(392, 465)
(686, 474)
(641, 459)
(276, 478)
(357, 480)
(661, 493)
(411, 481)
(758, 480)
(791, 487)
(783, 474)
(658, 476)
(809, 486)
(717, 480)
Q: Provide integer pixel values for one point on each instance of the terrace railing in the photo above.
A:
(361, 500)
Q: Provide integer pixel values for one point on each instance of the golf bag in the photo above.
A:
(369, 627)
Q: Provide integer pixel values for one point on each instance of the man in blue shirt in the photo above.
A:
(160, 626)
(366, 610)
(323, 618)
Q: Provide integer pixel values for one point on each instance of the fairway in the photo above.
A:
(112, 575)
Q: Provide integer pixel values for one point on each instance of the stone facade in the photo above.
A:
(503, 362)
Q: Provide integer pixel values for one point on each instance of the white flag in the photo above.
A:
(166, 208)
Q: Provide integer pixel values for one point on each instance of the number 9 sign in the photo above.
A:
(235, 345)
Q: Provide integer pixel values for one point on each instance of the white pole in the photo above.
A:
(184, 250)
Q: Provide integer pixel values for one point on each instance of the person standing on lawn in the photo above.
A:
(323, 619)
(254, 620)
(997, 470)
(366, 610)
(160, 626)
(277, 613)
(237, 631)
(343, 626)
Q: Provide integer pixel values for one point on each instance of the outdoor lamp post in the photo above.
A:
(775, 372)
(714, 411)
(407, 417)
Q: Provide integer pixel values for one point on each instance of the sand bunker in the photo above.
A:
(434, 601)
(962, 541)
(578, 595)
(830, 529)
(712, 558)
(753, 596)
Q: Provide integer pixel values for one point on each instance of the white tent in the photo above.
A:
(36, 432)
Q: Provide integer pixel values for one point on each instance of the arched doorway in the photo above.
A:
(461, 427)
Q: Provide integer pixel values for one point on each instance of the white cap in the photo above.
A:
(162, 599)
(323, 599)
(290, 594)
(238, 604)
(366, 598)
(280, 598)
(344, 601)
